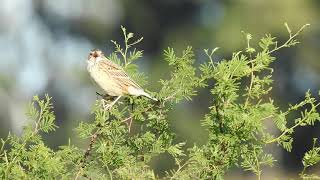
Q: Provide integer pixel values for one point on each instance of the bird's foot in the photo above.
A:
(105, 96)
(107, 106)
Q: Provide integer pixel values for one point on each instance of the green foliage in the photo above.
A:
(123, 140)
(127, 57)
(183, 76)
(235, 123)
(27, 157)
(311, 158)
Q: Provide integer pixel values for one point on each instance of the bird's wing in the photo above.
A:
(118, 75)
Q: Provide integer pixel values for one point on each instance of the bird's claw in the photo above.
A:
(106, 106)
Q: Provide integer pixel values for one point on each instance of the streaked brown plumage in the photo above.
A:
(111, 77)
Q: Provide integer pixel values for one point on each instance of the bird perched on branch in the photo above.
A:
(112, 78)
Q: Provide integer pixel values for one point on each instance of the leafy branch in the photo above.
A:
(39, 111)
(133, 55)
(291, 41)
(249, 50)
(308, 117)
(311, 158)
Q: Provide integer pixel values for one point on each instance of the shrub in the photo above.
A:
(235, 124)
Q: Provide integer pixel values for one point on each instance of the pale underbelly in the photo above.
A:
(106, 83)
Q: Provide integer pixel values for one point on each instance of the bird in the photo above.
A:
(111, 77)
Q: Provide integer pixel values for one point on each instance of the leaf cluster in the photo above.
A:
(27, 157)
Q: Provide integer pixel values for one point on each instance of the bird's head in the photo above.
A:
(95, 55)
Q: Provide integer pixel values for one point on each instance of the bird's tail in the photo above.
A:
(149, 96)
(139, 92)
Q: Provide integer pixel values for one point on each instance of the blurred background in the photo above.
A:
(44, 45)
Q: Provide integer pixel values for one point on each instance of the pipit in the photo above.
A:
(112, 78)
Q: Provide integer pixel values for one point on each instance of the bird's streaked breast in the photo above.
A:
(103, 79)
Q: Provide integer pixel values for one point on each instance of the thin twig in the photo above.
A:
(90, 146)
(129, 126)
(258, 164)
(293, 127)
(130, 118)
(250, 87)
(87, 153)
(291, 37)
(171, 96)
(95, 136)
(252, 75)
(180, 168)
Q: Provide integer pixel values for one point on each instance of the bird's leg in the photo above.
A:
(105, 96)
(132, 105)
(115, 100)
(105, 100)
(98, 94)
(108, 97)
(108, 106)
